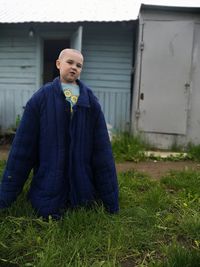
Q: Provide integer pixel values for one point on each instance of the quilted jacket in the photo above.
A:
(70, 154)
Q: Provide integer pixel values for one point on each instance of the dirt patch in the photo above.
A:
(155, 169)
(4, 150)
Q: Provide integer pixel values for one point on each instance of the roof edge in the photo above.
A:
(170, 8)
(68, 22)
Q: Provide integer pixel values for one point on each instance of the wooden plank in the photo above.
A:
(18, 87)
(107, 77)
(108, 65)
(22, 49)
(109, 84)
(19, 62)
(91, 70)
(110, 47)
(17, 80)
(9, 42)
(16, 71)
(106, 59)
(12, 55)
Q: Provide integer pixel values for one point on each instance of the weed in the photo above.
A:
(194, 152)
(128, 147)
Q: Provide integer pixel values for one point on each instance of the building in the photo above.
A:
(32, 39)
(166, 95)
(143, 64)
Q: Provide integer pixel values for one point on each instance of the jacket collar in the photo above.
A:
(83, 99)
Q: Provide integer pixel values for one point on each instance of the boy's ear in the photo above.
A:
(58, 64)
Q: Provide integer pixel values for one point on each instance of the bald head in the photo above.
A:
(68, 51)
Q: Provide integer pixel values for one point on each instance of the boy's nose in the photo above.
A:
(74, 66)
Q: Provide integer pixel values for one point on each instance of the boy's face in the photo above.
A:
(70, 66)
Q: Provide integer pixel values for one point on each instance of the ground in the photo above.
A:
(155, 169)
(4, 151)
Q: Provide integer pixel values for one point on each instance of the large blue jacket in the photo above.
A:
(70, 154)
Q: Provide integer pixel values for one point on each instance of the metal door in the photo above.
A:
(165, 76)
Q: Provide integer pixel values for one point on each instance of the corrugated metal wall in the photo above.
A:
(107, 69)
(17, 73)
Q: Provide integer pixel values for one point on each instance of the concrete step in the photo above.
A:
(164, 154)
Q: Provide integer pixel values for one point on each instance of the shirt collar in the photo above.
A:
(83, 99)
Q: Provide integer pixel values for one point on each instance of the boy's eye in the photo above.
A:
(72, 62)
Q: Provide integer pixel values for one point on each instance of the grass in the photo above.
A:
(128, 148)
(158, 225)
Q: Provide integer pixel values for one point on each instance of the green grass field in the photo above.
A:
(158, 225)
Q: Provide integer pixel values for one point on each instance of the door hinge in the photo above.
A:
(141, 45)
(137, 113)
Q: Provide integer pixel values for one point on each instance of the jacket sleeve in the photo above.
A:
(22, 156)
(104, 167)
